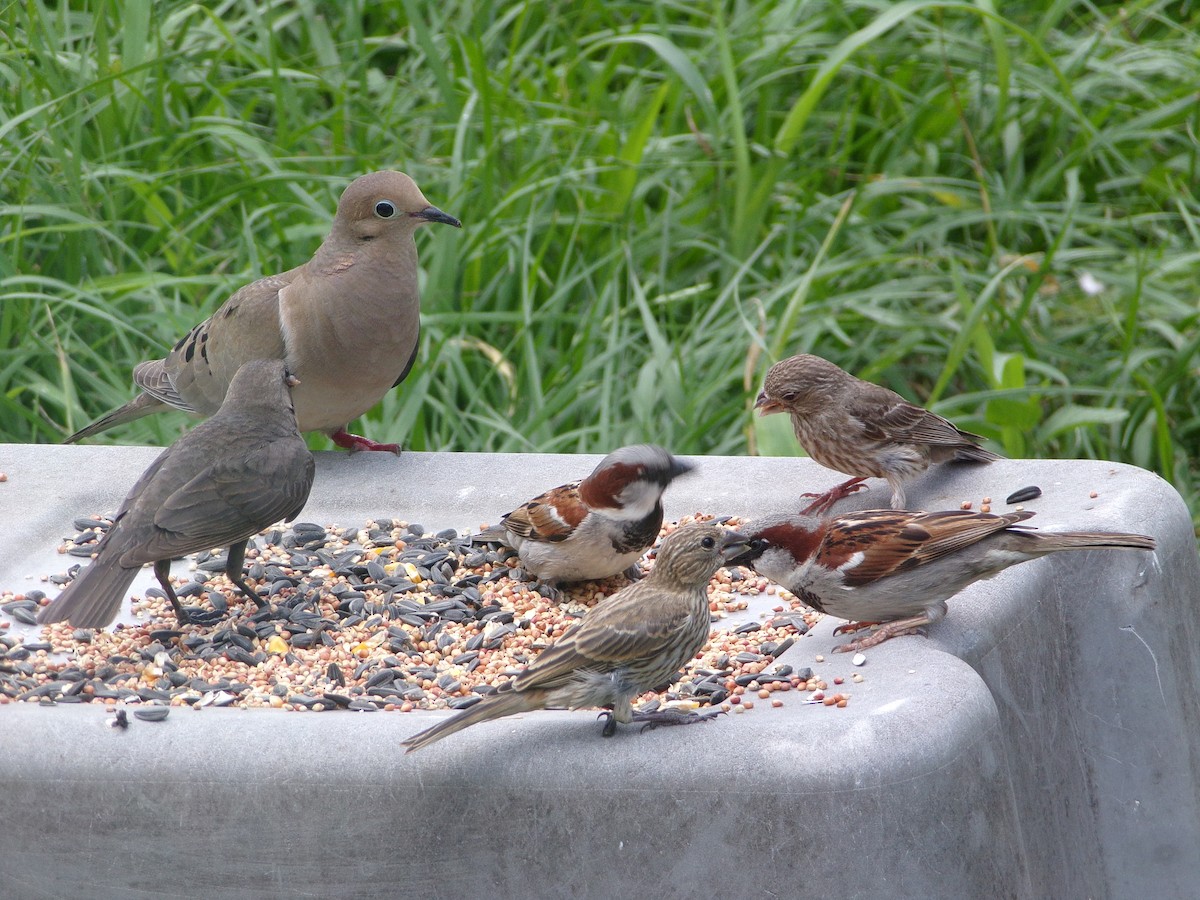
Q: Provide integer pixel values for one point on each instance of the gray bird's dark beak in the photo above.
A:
(433, 214)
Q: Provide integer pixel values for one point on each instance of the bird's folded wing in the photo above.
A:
(231, 499)
(549, 517)
(151, 376)
(894, 541)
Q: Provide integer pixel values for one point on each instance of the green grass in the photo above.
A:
(659, 201)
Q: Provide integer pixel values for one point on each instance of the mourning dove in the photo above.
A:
(632, 642)
(346, 322)
(227, 478)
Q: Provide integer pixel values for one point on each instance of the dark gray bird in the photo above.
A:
(629, 643)
(860, 428)
(227, 478)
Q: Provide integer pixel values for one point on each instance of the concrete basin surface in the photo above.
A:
(1043, 740)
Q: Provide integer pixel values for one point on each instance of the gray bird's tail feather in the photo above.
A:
(92, 599)
(495, 533)
(141, 405)
(495, 706)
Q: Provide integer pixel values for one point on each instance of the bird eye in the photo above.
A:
(790, 396)
(758, 545)
(385, 209)
(708, 543)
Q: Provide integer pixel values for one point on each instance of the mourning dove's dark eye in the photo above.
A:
(708, 543)
(385, 209)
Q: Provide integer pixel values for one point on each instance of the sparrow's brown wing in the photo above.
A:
(891, 541)
(550, 517)
(886, 416)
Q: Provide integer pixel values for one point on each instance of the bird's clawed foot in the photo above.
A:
(198, 615)
(824, 502)
(610, 723)
(883, 633)
(672, 716)
(851, 627)
(549, 591)
(355, 442)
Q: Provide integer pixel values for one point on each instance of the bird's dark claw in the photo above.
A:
(669, 716)
(610, 724)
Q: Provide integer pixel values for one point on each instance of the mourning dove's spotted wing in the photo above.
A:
(346, 322)
(229, 477)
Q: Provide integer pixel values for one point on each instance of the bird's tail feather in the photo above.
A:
(1048, 541)
(92, 599)
(141, 405)
(494, 533)
(972, 454)
(494, 706)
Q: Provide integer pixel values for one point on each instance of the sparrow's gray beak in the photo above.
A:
(740, 550)
(679, 467)
(433, 214)
(733, 546)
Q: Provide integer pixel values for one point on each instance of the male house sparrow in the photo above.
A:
(899, 567)
(228, 477)
(630, 642)
(860, 428)
(346, 322)
(596, 527)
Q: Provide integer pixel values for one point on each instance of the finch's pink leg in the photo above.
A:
(825, 501)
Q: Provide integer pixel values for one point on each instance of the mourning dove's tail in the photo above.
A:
(93, 598)
(141, 405)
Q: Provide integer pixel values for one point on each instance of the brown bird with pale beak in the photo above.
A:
(861, 429)
(629, 643)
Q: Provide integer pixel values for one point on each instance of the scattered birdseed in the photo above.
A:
(385, 616)
(1024, 495)
(858, 660)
